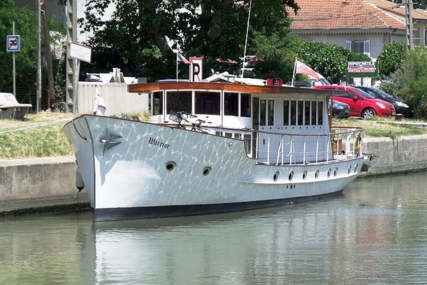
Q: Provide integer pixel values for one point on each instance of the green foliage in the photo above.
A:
(25, 27)
(277, 53)
(134, 39)
(328, 60)
(409, 81)
(391, 57)
(413, 75)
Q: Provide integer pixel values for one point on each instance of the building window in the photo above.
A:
(361, 47)
(416, 37)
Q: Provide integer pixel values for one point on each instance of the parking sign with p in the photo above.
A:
(12, 43)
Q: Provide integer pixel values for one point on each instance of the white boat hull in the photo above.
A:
(211, 174)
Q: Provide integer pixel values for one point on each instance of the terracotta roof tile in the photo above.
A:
(417, 14)
(342, 14)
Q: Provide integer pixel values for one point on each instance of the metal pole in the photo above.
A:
(13, 58)
(39, 69)
(409, 28)
(246, 41)
(76, 85)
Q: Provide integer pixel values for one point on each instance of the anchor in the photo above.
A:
(109, 140)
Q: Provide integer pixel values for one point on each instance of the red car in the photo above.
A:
(361, 103)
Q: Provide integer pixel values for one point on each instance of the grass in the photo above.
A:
(383, 127)
(40, 135)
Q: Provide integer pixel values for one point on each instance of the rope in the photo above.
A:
(32, 126)
(78, 132)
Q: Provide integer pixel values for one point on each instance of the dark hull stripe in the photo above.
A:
(114, 214)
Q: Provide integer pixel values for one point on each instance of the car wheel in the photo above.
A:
(368, 112)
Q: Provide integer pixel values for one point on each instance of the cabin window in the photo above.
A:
(231, 101)
(285, 113)
(207, 103)
(293, 113)
(157, 103)
(307, 113)
(300, 112)
(262, 112)
(245, 105)
(313, 112)
(270, 112)
(320, 112)
(179, 101)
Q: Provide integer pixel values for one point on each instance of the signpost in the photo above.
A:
(13, 44)
(364, 68)
(78, 52)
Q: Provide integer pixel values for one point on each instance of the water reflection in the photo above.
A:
(375, 233)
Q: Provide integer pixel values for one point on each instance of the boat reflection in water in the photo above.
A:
(375, 233)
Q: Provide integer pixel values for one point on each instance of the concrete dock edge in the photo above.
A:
(39, 185)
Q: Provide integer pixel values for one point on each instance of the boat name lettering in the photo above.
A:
(157, 143)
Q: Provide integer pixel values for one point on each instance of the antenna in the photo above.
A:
(246, 41)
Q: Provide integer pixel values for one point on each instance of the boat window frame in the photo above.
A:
(286, 112)
(153, 104)
(263, 112)
(227, 93)
(167, 110)
(248, 113)
(270, 112)
(219, 93)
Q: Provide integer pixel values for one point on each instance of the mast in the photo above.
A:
(246, 41)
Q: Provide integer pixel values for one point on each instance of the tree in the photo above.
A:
(412, 76)
(141, 35)
(25, 58)
(328, 60)
(391, 57)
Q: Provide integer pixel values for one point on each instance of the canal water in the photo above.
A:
(375, 233)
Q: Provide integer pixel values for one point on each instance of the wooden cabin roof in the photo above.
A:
(232, 87)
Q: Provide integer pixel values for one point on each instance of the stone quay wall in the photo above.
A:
(55, 177)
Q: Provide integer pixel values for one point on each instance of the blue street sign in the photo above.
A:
(13, 43)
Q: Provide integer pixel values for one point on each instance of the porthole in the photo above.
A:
(304, 175)
(170, 166)
(349, 169)
(291, 175)
(276, 175)
(355, 167)
(206, 170)
(316, 174)
(329, 172)
(336, 171)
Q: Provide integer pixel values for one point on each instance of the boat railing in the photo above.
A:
(273, 148)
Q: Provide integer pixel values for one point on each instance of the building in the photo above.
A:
(363, 26)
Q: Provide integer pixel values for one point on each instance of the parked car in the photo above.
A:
(400, 105)
(91, 77)
(361, 103)
(339, 109)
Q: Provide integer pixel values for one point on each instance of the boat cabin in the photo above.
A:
(278, 123)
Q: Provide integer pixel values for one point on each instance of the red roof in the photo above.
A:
(342, 14)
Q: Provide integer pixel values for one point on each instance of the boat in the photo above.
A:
(213, 147)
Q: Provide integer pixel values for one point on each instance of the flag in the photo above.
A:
(182, 59)
(99, 105)
(302, 68)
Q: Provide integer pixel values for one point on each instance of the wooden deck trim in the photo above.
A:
(234, 87)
